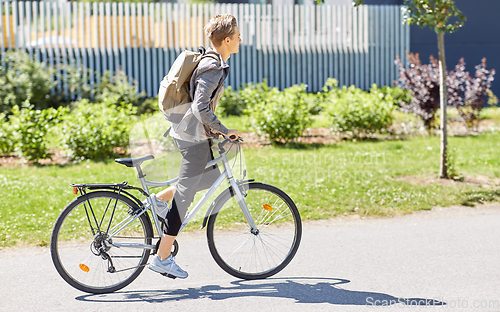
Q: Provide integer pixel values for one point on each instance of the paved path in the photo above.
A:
(444, 259)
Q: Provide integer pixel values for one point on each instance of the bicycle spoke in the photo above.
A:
(269, 250)
(278, 218)
(250, 254)
(271, 253)
(241, 245)
(266, 201)
(274, 212)
(274, 239)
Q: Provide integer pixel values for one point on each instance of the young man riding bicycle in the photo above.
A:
(193, 137)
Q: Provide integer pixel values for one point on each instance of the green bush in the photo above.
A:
(281, 116)
(118, 87)
(254, 94)
(235, 102)
(315, 103)
(359, 112)
(231, 103)
(6, 139)
(22, 79)
(29, 130)
(94, 131)
(396, 95)
(148, 106)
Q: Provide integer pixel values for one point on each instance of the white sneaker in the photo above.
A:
(167, 267)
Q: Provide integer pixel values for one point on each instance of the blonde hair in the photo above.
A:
(219, 27)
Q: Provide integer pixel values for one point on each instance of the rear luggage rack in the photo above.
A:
(116, 187)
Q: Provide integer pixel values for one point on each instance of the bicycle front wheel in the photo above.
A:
(82, 251)
(264, 252)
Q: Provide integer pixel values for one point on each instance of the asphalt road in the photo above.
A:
(444, 259)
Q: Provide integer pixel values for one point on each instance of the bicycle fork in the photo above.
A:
(239, 197)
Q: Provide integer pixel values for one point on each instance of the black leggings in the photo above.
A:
(193, 177)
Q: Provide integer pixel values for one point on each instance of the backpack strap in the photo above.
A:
(212, 54)
(167, 132)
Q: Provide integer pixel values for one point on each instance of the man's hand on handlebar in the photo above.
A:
(233, 134)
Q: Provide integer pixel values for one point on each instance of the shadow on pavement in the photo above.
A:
(300, 289)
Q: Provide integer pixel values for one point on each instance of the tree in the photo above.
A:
(442, 16)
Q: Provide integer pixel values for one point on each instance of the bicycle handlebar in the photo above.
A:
(232, 138)
(228, 139)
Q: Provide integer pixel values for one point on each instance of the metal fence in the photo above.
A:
(286, 45)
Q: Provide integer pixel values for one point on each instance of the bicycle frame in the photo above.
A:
(226, 174)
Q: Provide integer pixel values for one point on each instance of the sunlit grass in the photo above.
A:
(341, 179)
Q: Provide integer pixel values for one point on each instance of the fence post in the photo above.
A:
(287, 45)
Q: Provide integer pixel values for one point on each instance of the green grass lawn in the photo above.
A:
(341, 179)
(492, 113)
(361, 177)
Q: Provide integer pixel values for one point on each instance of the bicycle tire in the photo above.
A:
(72, 255)
(227, 247)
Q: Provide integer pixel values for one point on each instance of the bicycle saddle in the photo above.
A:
(133, 162)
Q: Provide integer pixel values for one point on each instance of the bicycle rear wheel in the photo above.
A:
(257, 255)
(81, 251)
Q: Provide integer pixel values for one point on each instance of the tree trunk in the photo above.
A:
(443, 99)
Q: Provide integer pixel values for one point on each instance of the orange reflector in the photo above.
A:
(84, 268)
(75, 190)
(267, 207)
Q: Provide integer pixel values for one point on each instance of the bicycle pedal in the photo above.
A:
(169, 275)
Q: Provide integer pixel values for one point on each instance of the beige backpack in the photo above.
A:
(174, 94)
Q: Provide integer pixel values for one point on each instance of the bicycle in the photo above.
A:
(102, 240)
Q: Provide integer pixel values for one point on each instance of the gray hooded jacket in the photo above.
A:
(206, 87)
